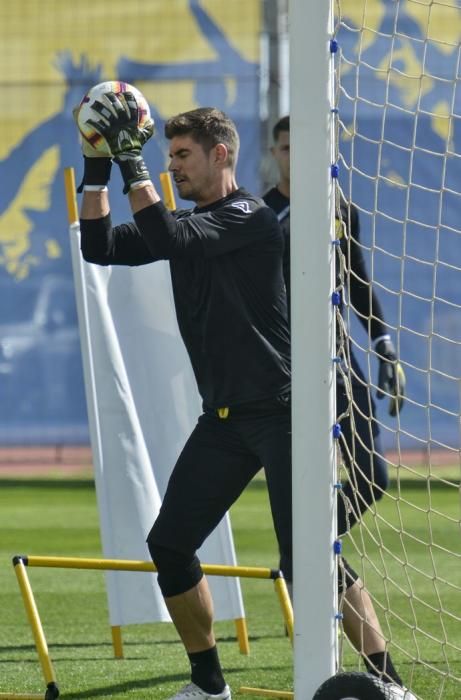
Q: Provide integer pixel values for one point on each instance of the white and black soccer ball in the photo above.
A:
(360, 686)
(98, 92)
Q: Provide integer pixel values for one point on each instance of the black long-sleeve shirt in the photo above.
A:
(362, 297)
(228, 286)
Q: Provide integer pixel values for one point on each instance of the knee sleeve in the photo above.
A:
(177, 572)
(346, 576)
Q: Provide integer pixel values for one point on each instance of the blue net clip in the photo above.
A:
(336, 298)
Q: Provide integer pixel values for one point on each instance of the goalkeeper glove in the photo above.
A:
(97, 166)
(119, 126)
(391, 377)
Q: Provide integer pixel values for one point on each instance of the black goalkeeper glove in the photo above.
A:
(119, 126)
(391, 377)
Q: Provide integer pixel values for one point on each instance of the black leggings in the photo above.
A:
(218, 461)
(362, 452)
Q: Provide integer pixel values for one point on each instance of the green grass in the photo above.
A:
(60, 518)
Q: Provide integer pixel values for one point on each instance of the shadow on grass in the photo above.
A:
(48, 484)
(145, 684)
(258, 484)
(56, 646)
(127, 687)
(132, 685)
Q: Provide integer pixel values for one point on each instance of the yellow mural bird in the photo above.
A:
(16, 256)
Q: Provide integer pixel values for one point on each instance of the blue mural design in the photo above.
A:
(41, 380)
(405, 168)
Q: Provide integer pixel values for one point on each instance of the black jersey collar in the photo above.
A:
(237, 194)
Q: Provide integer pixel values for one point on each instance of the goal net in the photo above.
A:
(398, 142)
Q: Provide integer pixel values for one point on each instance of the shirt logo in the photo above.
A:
(284, 213)
(243, 206)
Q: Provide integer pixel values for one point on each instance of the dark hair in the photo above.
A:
(283, 124)
(207, 126)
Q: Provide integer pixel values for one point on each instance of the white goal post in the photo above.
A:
(396, 135)
(312, 347)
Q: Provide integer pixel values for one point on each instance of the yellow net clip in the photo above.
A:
(223, 412)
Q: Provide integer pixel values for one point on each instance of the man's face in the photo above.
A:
(281, 153)
(193, 170)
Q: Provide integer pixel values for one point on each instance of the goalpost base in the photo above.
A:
(52, 690)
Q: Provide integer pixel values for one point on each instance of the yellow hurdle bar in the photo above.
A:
(20, 562)
(38, 634)
(267, 693)
(20, 696)
(34, 620)
(134, 565)
(208, 569)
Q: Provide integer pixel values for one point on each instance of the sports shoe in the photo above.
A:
(193, 692)
(400, 693)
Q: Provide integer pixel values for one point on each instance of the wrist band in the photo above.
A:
(386, 336)
(95, 188)
(139, 184)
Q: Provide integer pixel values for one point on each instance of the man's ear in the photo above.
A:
(221, 153)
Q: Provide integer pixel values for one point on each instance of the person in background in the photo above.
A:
(362, 451)
(362, 448)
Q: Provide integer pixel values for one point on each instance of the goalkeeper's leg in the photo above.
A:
(208, 477)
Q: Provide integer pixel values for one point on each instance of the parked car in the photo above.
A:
(41, 377)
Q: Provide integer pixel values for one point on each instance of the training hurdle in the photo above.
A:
(20, 563)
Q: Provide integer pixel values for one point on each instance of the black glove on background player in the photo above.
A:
(391, 377)
(120, 128)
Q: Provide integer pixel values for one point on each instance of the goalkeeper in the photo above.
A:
(225, 259)
(363, 453)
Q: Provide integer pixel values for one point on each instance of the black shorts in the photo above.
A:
(220, 458)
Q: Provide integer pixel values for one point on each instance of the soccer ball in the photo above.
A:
(360, 686)
(98, 92)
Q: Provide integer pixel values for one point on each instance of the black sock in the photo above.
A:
(206, 671)
(381, 663)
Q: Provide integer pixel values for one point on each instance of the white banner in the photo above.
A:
(142, 405)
